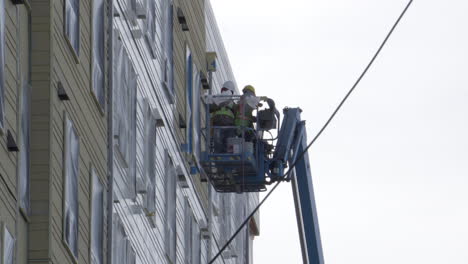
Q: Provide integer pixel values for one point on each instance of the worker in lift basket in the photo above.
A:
(222, 115)
(243, 111)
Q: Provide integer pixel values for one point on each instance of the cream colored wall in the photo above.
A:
(90, 125)
(40, 129)
(53, 62)
(16, 74)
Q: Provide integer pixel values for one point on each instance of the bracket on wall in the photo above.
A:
(182, 19)
(61, 93)
(18, 2)
(11, 143)
(205, 230)
(181, 178)
(204, 81)
(182, 123)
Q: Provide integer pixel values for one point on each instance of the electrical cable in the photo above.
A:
(285, 175)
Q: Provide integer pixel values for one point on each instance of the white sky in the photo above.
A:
(391, 171)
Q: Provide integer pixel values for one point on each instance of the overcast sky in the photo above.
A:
(391, 171)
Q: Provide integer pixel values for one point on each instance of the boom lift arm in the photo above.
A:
(293, 136)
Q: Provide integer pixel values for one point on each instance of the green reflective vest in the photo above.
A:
(224, 111)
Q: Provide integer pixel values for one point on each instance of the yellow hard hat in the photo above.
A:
(249, 88)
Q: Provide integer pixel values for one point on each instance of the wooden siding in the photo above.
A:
(40, 129)
(90, 125)
(53, 62)
(16, 68)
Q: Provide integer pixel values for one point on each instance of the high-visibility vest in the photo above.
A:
(243, 117)
(224, 111)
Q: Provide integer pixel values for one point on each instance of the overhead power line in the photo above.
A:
(318, 134)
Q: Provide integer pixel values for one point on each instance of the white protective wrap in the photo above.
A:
(2, 63)
(98, 51)
(149, 158)
(125, 86)
(170, 209)
(196, 250)
(8, 247)
(150, 25)
(24, 154)
(71, 187)
(97, 219)
(72, 23)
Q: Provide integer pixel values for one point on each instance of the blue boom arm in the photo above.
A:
(292, 141)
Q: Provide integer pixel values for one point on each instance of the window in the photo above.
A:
(70, 201)
(24, 145)
(98, 52)
(196, 249)
(149, 145)
(241, 237)
(168, 77)
(72, 24)
(196, 112)
(192, 236)
(122, 251)
(227, 224)
(188, 99)
(150, 25)
(97, 219)
(170, 210)
(187, 232)
(8, 246)
(125, 86)
(2, 64)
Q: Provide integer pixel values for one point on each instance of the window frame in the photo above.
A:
(75, 52)
(128, 254)
(5, 230)
(196, 242)
(168, 71)
(150, 26)
(188, 99)
(94, 176)
(101, 105)
(188, 232)
(24, 142)
(121, 67)
(65, 192)
(149, 157)
(196, 113)
(170, 225)
(2, 66)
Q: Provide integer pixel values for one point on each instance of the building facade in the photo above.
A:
(101, 118)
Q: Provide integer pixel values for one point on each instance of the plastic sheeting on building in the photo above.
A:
(187, 232)
(149, 145)
(72, 23)
(125, 86)
(71, 187)
(122, 251)
(97, 219)
(170, 209)
(196, 249)
(24, 154)
(196, 113)
(8, 247)
(150, 25)
(168, 12)
(2, 63)
(98, 51)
